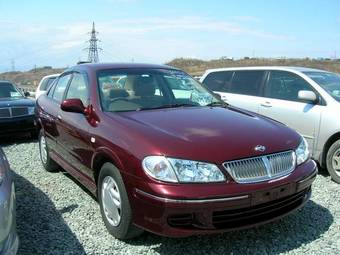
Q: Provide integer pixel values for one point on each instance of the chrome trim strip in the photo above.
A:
(313, 175)
(190, 201)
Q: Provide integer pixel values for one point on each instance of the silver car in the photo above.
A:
(307, 100)
(8, 236)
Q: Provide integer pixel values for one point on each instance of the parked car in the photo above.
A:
(175, 164)
(8, 236)
(16, 111)
(308, 100)
(44, 84)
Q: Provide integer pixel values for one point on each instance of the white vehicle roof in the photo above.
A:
(281, 68)
(51, 76)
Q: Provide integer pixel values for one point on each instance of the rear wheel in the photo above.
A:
(114, 204)
(49, 164)
(333, 161)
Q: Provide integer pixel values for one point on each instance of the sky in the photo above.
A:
(54, 33)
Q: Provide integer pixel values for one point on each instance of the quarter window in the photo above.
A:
(60, 87)
(285, 86)
(219, 81)
(78, 88)
(247, 83)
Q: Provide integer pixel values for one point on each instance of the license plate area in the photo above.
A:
(272, 194)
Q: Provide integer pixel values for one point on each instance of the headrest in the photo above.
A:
(144, 86)
(114, 93)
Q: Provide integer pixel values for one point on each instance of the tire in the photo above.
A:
(333, 161)
(116, 212)
(49, 164)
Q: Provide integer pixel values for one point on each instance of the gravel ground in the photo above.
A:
(56, 216)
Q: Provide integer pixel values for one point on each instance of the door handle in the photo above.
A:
(267, 104)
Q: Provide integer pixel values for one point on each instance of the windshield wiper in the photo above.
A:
(166, 106)
(220, 103)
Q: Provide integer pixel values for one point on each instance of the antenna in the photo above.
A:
(93, 48)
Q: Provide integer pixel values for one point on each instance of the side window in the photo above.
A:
(79, 88)
(60, 87)
(285, 85)
(218, 81)
(51, 88)
(247, 82)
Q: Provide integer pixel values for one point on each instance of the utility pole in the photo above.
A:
(13, 65)
(93, 48)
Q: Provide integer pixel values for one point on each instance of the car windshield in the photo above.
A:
(330, 82)
(7, 90)
(145, 89)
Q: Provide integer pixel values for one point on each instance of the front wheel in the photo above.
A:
(333, 161)
(114, 203)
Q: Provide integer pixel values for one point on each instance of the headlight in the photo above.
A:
(180, 170)
(31, 110)
(302, 152)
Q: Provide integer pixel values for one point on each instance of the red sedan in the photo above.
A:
(162, 153)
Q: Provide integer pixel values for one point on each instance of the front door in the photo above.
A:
(75, 139)
(281, 103)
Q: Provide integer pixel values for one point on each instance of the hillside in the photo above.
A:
(29, 79)
(197, 66)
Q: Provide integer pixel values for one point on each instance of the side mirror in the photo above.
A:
(308, 96)
(72, 105)
(27, 94)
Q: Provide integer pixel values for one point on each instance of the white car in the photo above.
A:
(44, 84)
(307, 100)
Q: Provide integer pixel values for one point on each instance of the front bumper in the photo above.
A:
(241, 206)
(18, 124)
(9, 241)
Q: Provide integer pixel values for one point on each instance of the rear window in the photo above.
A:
(247, 82)
(218, 81)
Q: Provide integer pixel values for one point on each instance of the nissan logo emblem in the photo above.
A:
(260, 148)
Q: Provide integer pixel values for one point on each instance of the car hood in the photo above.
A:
(6, 102)
(212, 134)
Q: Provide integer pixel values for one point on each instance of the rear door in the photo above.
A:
(281, 103)
(241, 88)
(50, 111)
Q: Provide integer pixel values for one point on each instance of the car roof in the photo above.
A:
(4, 81)
(106, 66)
(280, 68)
(51, 75)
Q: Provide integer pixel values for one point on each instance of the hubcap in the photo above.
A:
(43, 149)
(111, 201)
(336, 161)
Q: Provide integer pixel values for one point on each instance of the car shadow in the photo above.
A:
(295, 230)
(41, 227)
(16, 139)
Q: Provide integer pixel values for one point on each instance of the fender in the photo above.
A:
(109, 154)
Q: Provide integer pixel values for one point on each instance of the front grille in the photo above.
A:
(262, 168)
(181, 220)
(235, 218)
(5, 113)
(19, 111)
(10, 112)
